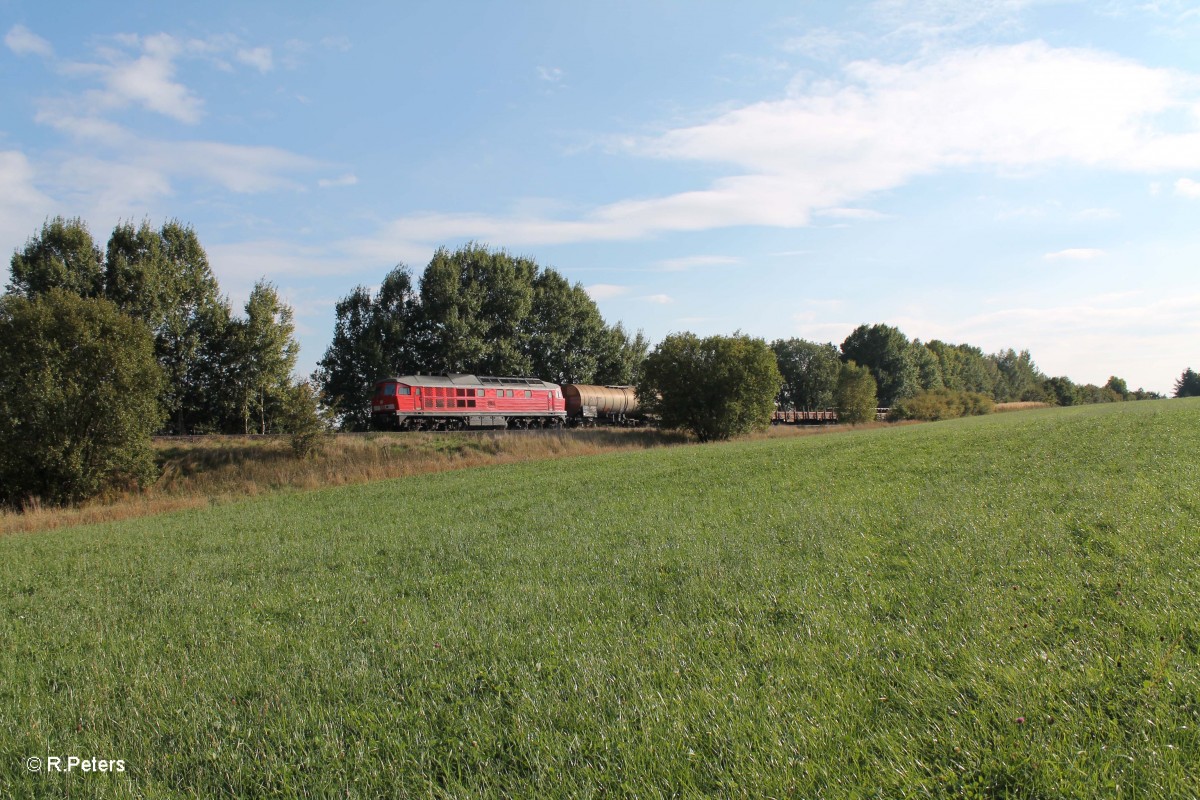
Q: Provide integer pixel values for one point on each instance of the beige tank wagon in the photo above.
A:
(591, 405)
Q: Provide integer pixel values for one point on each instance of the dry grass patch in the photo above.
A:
(1021, 406)
(204, 470)
(199, 471)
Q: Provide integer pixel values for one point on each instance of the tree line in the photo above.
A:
(473, 311)
(99, 349)
(904, 368)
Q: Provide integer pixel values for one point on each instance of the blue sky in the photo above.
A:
(1008, 173)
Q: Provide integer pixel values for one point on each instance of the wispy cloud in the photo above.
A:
(550, 74)
(349, 179)
(1075, 254)
(144, 78)
(1186, 187)
(825, 147)
(690, 262)
(22, 204)
(659, 299)
(605, 291)
(258, 57)
(25, 42)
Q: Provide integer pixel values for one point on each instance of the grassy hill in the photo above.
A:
(998, 606)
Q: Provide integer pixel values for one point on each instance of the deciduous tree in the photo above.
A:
(78, 398)
(856, 394)
(62, 256)
(810, 373)
(717, 387)
(886, 352)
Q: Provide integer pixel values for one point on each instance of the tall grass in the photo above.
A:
(198, 471)
(999, 606)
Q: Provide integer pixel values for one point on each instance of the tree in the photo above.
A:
(191, 342)
(136, 273)
(474, 305)
(856, 394)
(565, 335)
(302, 418)
(1188, 384)
(1061, 390)
(1118, 386)
(886, 352)
(810, 373)
(964, 368)
(372, 337)
(717, 387)
(62, 256)
(621, 357)
(1019, 377)
(264, 354)
(78, 398)
(929, 369)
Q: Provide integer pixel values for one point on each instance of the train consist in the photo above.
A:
(468, 402)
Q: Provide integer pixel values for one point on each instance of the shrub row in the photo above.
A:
(938, 404)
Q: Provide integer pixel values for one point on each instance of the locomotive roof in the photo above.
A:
(456, 379)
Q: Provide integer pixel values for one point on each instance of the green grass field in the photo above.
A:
(1003, 606)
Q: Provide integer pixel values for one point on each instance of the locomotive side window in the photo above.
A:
(528, 393)
(479, 392)
(403, 390)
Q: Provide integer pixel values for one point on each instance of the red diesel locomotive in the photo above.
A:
(461, 402)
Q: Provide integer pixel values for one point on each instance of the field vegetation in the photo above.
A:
(997, 606)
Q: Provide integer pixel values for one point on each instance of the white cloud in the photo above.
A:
(827, 146)
(690, 262)
(550, 74)
(605, 291)
(241, 263)
(1186, 187)
(258, 57)
(22, 205)
(147, 80)
(862, 214)
(660, 299)
(125, 174)
(1075, 254)
(24, 42)
(348, 179)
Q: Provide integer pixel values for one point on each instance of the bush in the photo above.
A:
(941, 404)
(79, 391)
(303, 420)
(856, 398)
(716, 388)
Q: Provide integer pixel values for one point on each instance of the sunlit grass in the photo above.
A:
(997, 606)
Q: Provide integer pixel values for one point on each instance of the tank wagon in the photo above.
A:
(601, 405)
(462, 402)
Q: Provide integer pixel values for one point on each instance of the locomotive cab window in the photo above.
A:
(389, 389)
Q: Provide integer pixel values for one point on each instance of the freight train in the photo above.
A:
(469, 402)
